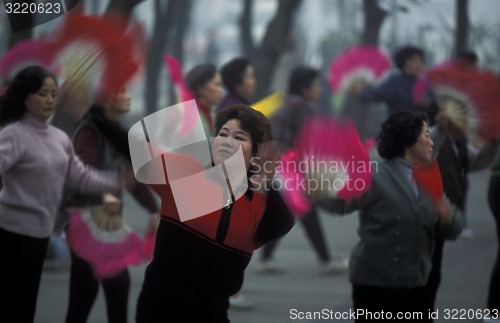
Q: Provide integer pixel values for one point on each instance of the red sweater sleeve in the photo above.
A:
(86, 145)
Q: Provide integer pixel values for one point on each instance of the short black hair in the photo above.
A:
(232, 73)
(251, 120)
(199, 75)
(301, 79)
(400, 131)
(405, 53)
(27, 81)
(468, 56)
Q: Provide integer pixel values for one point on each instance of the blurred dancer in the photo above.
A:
(239, 79)
(206, 84)
(287, 123)
(396, 91)
(36, 159)
(101, 142)
(398, 224)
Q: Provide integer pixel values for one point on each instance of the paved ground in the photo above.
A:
(467, 267)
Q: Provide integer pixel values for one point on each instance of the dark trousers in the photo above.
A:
(312, 226)
(83, 290)
(20, 273)
(434, 280)
(404, 302)
(494, 202)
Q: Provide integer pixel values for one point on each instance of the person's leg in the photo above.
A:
(494, 203)
(430, 290)
(83, 288)
(20, 276)
(310, 222)
(396, 304)
(116, 292)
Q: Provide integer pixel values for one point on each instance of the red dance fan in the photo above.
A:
(360, 64)
(98, 54)
(185, 94)
(470, 97)
(329, 162)
(428, 178)
(106, 242)
(26, 53)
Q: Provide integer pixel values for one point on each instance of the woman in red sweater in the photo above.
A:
(199, 263)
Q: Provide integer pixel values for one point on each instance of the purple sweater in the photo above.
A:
(36, 159)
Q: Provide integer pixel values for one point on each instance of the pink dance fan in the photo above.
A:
(329, 162)
(185, 94)
(360, 64)
(24, 54)
(470, 97)
(107, 242)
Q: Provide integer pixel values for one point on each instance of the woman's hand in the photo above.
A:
(264, 164)
(112, 204)
(154, 222)
(444, 212)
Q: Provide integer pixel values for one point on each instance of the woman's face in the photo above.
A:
(312, 92)
(414, 65)
(210, 93)
(229, 138)
(121, 103)
(247, 87)
(421, 151)
(43, 102)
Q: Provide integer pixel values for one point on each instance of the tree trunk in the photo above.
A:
(163, 25)
(462, 25)
(247, 44)
(122, 7)
(273, 45)
(182, 24)
(374, 17)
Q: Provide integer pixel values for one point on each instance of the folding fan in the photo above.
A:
(270, 104)
(106, 241)
(428, 178)
(97, 54)
(185, 94)
(329, 161)
(359, 64)
(470, 97)
(24, 54)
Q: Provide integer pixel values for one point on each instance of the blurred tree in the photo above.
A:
(247, 44)
(462, 25)
(164, 22)
(374, 17)
(175, 46)
(275, 40)
(122, 7)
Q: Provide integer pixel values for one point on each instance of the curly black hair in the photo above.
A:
(403, 54)
(29, 80)
(400, 131)
(250, 120)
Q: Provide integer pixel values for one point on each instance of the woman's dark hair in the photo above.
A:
(405, 53)
(301, 79)
(199, 75)
(232, 73)
(400, 131)
(29, 80)
(251, 120)
(469, 56)
(113, 131)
